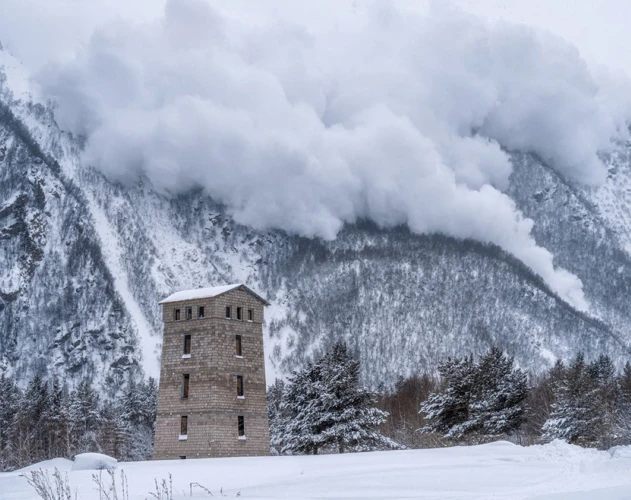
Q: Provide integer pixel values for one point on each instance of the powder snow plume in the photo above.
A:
(396, 117)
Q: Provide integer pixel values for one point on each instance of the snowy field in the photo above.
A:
(556, 471)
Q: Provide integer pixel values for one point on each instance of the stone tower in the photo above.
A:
(212, 398)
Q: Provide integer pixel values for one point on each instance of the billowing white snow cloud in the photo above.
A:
(387, 116)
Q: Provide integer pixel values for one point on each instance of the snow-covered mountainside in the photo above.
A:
(84, 262)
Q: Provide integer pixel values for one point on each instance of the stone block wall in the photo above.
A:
(212, 406)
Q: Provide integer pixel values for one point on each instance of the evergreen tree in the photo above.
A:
(84, 418)
(276, 415)
(481, 400)
(575, 415)
(150, 403)
(500, 392)
(134, 420)
(127, 427)
(29, 430)
(56, 422)
(540, 400)
(326, 408)
(623, 419)
(448, 411)
(301, 403)
(10, 397)
(350, 419)
(45, 422)
(603, 376)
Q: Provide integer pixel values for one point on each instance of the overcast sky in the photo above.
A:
(600, 29)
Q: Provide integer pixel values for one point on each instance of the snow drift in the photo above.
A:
(499, 470)
(93, 461)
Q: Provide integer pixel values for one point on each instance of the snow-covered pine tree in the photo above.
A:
(327, 409)
(540, 400)
(112, 441)
(448, 411)
(150, 403)
(276, 415)
(128, 417)
(500, 392)
(56, 419)
(301, 403)
(128, 425)
(575, 415)
(479, 400)
(623, 419)
(10, 398)
(350, 421)
(84, 418)
(139, 408)
(603, 375)
(29, 431)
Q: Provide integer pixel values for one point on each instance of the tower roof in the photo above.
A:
(206, 293)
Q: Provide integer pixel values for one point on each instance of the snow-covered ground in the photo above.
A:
(556, 471)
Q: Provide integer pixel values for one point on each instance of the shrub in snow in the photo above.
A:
(47, 488)
(93, 461)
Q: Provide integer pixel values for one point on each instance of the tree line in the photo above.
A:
(324, 408)
(476, 401)
(47, 420)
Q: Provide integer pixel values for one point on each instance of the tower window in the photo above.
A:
(185, 383)
(183, 425)
(228, 312)
(239, 313)
(241, 426)
(200, 312)
(240, 392)
(176, 315)
(189, 313)
(239, 351)
(187, 345)
(250, 314)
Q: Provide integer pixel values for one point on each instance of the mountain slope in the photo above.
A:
(84, 261)
(60, 310)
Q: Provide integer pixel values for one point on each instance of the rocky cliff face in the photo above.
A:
(59, 307)
(84, 262)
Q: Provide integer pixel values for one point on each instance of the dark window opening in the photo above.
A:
(183, 425)
(239, 313)
(200, 312)
(241, 425)
(250, 315)
(240, 392)
(182, 457)
(239, 351)
(185, 383)
(176, 315)
(187, 344)
(189, 313)
(228, 312)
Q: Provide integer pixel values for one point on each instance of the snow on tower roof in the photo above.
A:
(206, 293)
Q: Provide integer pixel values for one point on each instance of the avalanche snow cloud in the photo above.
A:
(390, 116)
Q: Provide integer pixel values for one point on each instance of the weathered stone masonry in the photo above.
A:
(212, 407)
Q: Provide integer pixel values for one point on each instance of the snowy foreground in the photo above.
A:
(495, 471)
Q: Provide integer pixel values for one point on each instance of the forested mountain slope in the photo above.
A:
(84, 262)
